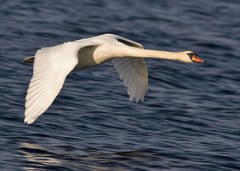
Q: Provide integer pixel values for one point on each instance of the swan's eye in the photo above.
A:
(194, 57)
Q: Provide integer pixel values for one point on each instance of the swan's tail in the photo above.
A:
(29, 60)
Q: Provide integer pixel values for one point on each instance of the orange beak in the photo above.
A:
(195, 58)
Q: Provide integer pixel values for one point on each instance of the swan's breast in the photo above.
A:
(86, 57)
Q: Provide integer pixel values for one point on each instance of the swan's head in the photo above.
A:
(190, 57)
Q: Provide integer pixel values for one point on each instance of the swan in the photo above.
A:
(53, 64)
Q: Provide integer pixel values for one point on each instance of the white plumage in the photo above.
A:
(133, 71)
(53, 64)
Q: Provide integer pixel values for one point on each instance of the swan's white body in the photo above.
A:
(53, 64)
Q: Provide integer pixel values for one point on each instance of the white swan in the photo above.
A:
(53, 64)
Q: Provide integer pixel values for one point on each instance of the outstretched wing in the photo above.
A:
(133, 72)
(51, 67)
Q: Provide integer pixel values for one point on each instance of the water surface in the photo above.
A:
(190, 117)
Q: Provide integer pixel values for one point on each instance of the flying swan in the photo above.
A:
(53, 64)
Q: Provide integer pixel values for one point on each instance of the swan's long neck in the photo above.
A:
(105, 53)
(145, 53)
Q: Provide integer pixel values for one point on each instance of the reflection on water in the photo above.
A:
(38, 158)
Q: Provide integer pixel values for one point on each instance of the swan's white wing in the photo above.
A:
(51, 67)
(128, 42)
(133, 72)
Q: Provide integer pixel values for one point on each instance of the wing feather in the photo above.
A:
(133, 72)
(51, 67)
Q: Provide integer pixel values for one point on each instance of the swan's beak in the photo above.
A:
(195, 58)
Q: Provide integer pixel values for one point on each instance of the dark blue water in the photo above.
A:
(190, 118)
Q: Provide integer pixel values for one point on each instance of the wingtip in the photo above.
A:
(28, 121)
(137, 100)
